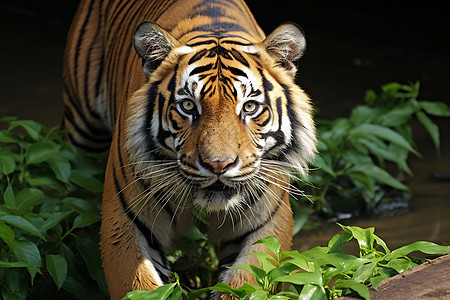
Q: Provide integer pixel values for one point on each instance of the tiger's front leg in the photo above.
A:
(271, 217)
(132, 248)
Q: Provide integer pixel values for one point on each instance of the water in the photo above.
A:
(428, 216)
(333, 72)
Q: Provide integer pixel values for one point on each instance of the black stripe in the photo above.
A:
(201, 69)
(119, 150)
(87, 69)
(238, 56)
(267, 86)
(237, 72)
(234, 42)
(279, 111)
(79, 42)
(227, 261)
(295, 123)
(206, 42)
(267, 120)
(95, 135)
(197, 56)
(173, 81)
(162, 135)
(99, 149)
(151, 98)
(220, 27)
(152, 241)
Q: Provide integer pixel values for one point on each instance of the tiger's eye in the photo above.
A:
(250, 106)
(188, 105)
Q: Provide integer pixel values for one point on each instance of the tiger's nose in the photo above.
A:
(218, 166)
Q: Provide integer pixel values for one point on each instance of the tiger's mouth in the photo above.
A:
(218, 186)
(217, 196)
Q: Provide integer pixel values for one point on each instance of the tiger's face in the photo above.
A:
(219, 118)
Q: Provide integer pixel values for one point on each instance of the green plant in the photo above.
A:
(350, 172)
(48, 228)
(318, 273)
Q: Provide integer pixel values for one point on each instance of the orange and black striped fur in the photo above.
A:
(200, 110)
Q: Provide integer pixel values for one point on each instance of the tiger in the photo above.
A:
(200, 110)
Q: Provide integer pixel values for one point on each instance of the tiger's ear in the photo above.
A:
(152, 43)
(286, 44)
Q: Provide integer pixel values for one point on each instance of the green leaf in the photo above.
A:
(384, 152)
(8, 137)
(301, 278)
(370, 97)
(7, 164)
(400, 265)
(79, 205)
(337, 241)
(300, 216)
(363, 272)
(9, 198)
(258, 273)
(86, 181)
(90, 252)
(360, 288)
(381, 243)
(363, 114)
(297, 259)
(399, 115)
(312, 292)
(44, 181)
(85, 219)
(432, 128)
(240, 293)
(364, 237)
(380, 175)
(54, 219)
(22, 224)
(266, 261)
(61, 168)
(161, 293)
(14, 264)
(28, 252)
(324, 163)
(425, 247)
(359, 179)
(77, 288)
(177, 293)
(41, 151)
(31, 127)
(382, 132)
(279, 271)
(28, 198)
(356, 157)
(16, 284)
(393, 91)
(57, 267)
(195, 234)
(383, 273)
(7, 234)
(439, 109)
(271, 243)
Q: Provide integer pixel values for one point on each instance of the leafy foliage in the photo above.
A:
(351, 170)
(48, 230)
(318, 273)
